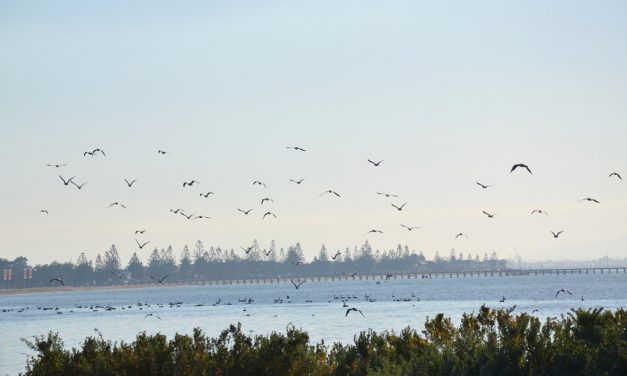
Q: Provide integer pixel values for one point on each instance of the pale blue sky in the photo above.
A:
(446, 92)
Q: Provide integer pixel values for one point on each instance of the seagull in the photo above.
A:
(141, 245)
(64, 164)
(376, 164)
(329, 191)
(88, 153)
(373, 231)
(207, 194)
(540, 211)
(201, 217)
(58, 280)
(556, 235)
(388, 276)
(589, 200)
(159, 280)
(44, 211)
(189, 217)
(139, 231)
(268, 253)
(190, 183)
(269, 213)
(176, 211)
(245, 211)
(612, 174)
(482, 185)
(386, 194)
(410, 228)
(296, 263)
(488, 214)
(297, 285)
(399, 208)
(247, 250)
(66, 182)
(562, 290)
(153, 315)
(295, 148)
(535, 310)
(130, 184)
(521, 165)
(297, 181)
(162, 152)
(99, 150)
(353, 309)
(257, 182)
(120, 276)
(117, 203)
(461, 234)
(266, 199)
(336, 255)
(81, 185)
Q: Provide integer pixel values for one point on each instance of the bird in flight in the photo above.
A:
(130, 183)
(189, 217)
(163, 152)
(521, 165)
(245, 211)
(353, 309)
(268, 253)
(556, 235)
(93, 152)
(296, 263)
(399, 208)
(376, 164)
(205, 195)
(141, 245)
(461, 234)
(139, 231)
(117, 203)
(176, 211)
(295, 148)
(66, 182)
(589, 200)
(297, 181)
(329, 191)
(201, 217)
(63, 164)
(257, 182)
(99, 150)
(79, 186)
(120, 276)
(488, 214)
(44, 211)
(410, 228)
(159, 280)
(57, 280)
(269, 213)
(484, 186)
(297, 285)
(266, 199)
(152, 315)
(337, 254)
(612, 174)
(561, 291)
(189, 183)
(374, 231)
(247, 250)
(539, 211)
(388, 195)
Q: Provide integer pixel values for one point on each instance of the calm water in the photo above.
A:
(315, 307)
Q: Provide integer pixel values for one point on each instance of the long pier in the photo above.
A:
(425, 275)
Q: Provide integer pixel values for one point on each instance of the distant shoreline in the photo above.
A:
(40, 290)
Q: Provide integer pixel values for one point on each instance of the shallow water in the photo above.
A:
(315, 307)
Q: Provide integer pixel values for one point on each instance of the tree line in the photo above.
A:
(216, 263)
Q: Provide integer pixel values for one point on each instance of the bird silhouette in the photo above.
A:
(484, 186)
(376, 164)
(139, 231)
(388, 276)
(159, 280)
(141, 245)
(266, 199)
(201, 217)
(616, 174)
(297, 181)
(488, 214)
(66, 182)
(249, 249)
(297, 285)
(410, 228)
(539, 211)
(388, 195)
(176, 211)
(130, 183)
(245, 211)
(461, 234)
(269, 213)
(268, 253)
(353, 309)
(563, 291)
(337, 254)
(207, 194)
(118, 204)
(521, 165)
(257, 182)
(329, 191)
(79, 186)
(57, 280)
(88, 153)
(190, 183)
(556, 235)
(99, 150)
(57, 165)
(589, 200)
(296, 263)
(189, 217)
(295, 148)
(152, 315)
(374, 231)
(120, 276)
(44, 211)
(399, 208)
(162, 152)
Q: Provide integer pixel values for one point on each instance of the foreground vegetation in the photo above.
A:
(490, 342)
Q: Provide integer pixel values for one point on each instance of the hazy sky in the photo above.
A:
(447, 93)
